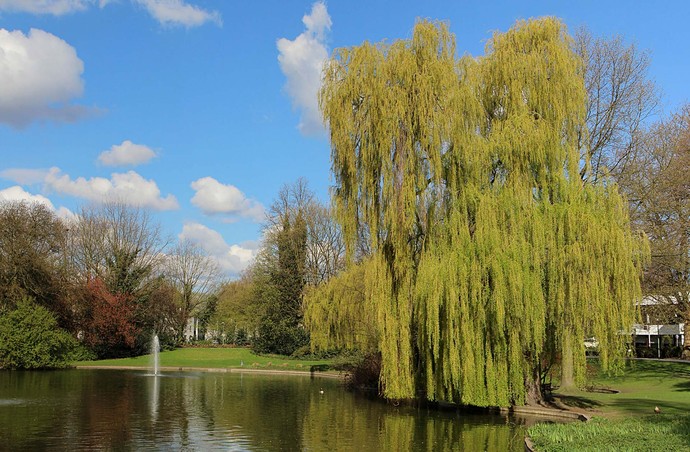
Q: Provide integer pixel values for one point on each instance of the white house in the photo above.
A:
(653, 334)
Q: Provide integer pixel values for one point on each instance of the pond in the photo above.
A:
(130, 410)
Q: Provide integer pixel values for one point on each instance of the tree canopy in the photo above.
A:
(32, 241)
(30, 338)
(101, 278)
(486, 250)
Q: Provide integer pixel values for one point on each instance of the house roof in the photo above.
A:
(652, 300)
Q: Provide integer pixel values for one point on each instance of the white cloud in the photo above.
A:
(24, 176)
(129, 187)
(126, 153)
(17, 193)
(54, 7)
(166, 12)
(65, 214)
(302, 60)
(177, 12)
(39, 74)
(231, 258)
(212, 197)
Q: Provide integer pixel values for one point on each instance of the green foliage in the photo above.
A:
(237, 310)
(488, 252)
(364, 370)
(81, 353)
(281, 337)
(208, 309)
(281, 278)
(31, 339)
(241, 338)
(338, 312)
(32, 241)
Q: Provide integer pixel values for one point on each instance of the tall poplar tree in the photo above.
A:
(488, 252)
(280, 272)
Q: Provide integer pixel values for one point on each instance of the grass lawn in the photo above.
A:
(643, 386)
(212, 358)
(626, 420)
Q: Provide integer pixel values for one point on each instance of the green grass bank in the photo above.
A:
(623, 409)
(212, 358)
(651, 432)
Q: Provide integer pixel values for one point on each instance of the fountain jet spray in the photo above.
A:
(155, 348)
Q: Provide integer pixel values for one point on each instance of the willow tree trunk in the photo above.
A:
(567, 367)
(533, 394)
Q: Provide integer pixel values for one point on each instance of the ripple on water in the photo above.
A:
(6, 402)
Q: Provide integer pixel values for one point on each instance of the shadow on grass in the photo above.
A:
(578, 402)
(646, 406)
(658, 368)
(682, 386)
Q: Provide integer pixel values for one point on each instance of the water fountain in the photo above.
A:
(155, 349)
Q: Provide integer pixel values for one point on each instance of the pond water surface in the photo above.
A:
(130, 410)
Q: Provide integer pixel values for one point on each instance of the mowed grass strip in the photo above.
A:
(217, 358)
(647, 433)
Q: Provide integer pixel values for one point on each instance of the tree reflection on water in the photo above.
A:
(112, 409)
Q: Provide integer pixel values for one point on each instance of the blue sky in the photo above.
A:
(201, 110)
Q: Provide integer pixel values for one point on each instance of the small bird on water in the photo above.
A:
(657, 410)
(321, 391)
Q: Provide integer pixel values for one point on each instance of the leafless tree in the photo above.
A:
(325, 247)
(621, 97)
(118, 243)
(195, 277)
(656, 182)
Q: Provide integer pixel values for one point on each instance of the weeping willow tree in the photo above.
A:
(487, 251)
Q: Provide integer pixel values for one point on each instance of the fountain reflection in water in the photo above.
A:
(154, 395)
